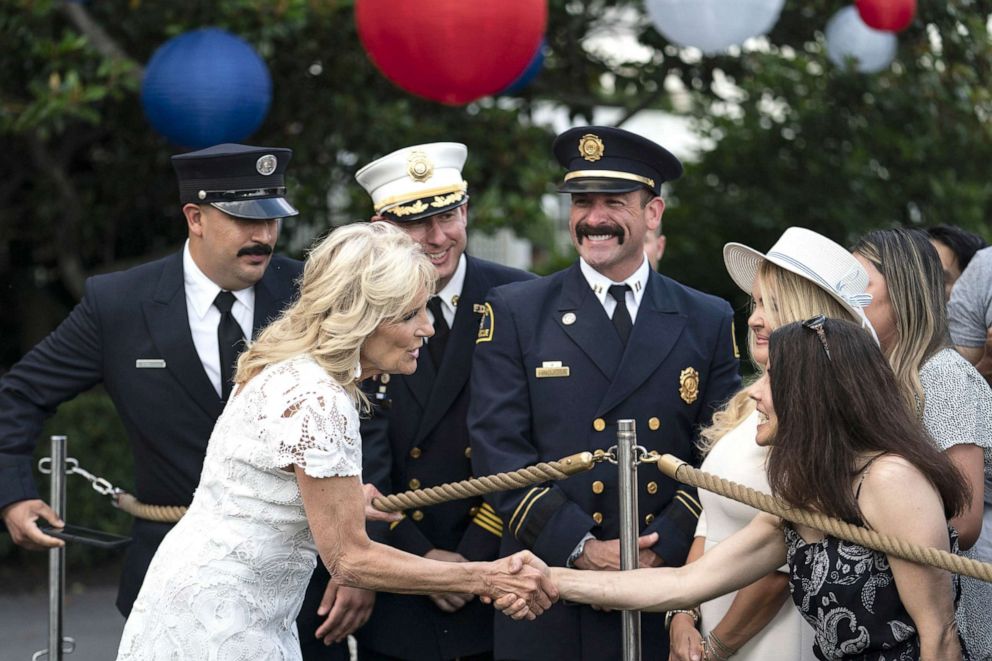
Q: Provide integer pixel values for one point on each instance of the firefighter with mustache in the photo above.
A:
(561, 359)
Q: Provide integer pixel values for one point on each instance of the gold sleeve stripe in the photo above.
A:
(486, 507)
(689, 507)
(523, 503)
(392, 526)
(488, 527)
(688, 495)
(491, 518)
(523, 517)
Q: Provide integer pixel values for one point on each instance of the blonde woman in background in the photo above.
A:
(946, 392)
(803, 275)
(282, 476)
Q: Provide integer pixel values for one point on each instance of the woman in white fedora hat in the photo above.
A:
(803, 275)
(946, 392)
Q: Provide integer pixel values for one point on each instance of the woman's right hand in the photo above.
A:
(685, 641)
(519, 586)
(371, 513)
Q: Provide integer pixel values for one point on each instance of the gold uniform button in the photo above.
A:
(598, 487)
(654, 424)
(415, 453)
(473, 511)
(417, 515)
(649, 518)
(599, 424)
(468, 453)
(414, 483)
(597, 517)
(652, 488)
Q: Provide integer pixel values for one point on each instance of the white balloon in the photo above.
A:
(713, 25)
(849, 37)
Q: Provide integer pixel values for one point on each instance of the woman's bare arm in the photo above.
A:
(741, 559)
(970, 461)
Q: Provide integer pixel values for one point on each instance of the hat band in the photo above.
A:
(610, 174)
(223, 195)
(382, 205)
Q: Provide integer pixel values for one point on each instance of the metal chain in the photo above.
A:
(642, 455)
(101, 485)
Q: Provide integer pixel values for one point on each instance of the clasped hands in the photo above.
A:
(519, 585)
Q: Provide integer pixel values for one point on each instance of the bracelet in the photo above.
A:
(693, 613)
(719, 649)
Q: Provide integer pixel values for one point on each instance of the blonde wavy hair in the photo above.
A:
(786, 297)
(357, 278)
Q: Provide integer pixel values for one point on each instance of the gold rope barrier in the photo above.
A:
(542, 472)
(139, 510)
(679, 470)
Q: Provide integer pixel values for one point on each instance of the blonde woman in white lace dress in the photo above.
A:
(282, 476)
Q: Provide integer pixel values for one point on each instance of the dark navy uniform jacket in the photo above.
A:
(417, 438)
(551, 377)
(168, 412)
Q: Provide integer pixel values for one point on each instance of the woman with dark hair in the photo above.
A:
(843, 442)
(944, 390)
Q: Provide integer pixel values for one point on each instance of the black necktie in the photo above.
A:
(621, 315)
(230, 341)
(437, 343)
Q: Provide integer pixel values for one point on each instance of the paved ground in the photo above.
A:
(90, 617)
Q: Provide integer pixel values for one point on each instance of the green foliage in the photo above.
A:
(96, 439)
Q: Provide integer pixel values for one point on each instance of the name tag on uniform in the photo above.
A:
(149, 363)
(551, 369)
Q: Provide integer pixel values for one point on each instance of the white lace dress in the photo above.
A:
(228, 580)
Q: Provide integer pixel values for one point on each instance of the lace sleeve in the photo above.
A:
(307, 419)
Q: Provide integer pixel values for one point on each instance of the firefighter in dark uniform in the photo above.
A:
(560, 359)
(417, 436)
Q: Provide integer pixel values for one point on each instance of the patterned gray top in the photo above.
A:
(958, 410)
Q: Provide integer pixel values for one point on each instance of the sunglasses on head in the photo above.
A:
(816, 324)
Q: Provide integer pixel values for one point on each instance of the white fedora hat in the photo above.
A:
(812, 256)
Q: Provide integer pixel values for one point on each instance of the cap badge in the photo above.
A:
(266, 165)
(689, 385)
(591, 147)
(419, 166)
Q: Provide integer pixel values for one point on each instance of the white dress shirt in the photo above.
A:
(600, 286)
(451, 292)
(204, 315)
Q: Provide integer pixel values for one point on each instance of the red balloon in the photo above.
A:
(452, 51)
(887, 15)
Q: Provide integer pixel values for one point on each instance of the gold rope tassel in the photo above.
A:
(679, 470)
(542, 472)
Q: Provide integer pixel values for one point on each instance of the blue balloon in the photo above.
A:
(530, 72)
(206, 87)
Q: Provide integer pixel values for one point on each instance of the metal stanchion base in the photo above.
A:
(68, 647)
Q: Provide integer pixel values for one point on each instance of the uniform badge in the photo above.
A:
(478, 308)
(266, 165)
(487, 325)
(689, 385)
(591, 147)
(568, 318)
(419, 166)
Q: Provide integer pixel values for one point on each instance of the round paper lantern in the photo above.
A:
(528, 75)
(887, 15)
(713, 25)
(848, 37)
(206, 87)
(452, 51)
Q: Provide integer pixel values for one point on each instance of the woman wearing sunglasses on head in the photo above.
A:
(803, 275)
(944, 390)
(843, 441)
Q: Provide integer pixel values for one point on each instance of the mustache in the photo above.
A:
(584, 229)
(259, 249)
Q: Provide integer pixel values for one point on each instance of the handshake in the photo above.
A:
(519, 585)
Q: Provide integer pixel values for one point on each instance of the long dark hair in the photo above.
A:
(834, 410)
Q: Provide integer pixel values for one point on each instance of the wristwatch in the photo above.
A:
(693, 613)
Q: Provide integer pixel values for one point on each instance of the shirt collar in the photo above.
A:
(453, 290)
(201, 290)
(600, 284)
